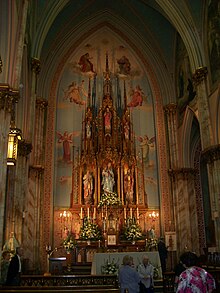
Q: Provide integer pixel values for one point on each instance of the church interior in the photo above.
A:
(110, 130)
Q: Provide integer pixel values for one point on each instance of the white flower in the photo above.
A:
(110, 268)
(69, 243)
(90, 231)
(132, 231)
(109, 199)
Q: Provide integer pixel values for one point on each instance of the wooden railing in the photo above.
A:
(66, 283)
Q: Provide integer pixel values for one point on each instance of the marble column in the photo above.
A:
(35, 67)
(210, 151)
(185, 209)
(8, 98)
(171, 125)
(171, 115)
(34, 196)
(211, 156)
(200, 81)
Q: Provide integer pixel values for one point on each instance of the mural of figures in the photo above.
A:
(107, 120)
(85, 63)
(66, 139)
(75, 92)
(88, 187)
(124, 65)
(136, 97)
(129, 186)
(108, 180)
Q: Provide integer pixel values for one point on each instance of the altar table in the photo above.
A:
(100, 259)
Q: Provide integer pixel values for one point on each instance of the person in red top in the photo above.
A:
(194, 279)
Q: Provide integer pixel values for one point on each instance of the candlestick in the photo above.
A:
(137, 213)
(81, 213)
(88, 213)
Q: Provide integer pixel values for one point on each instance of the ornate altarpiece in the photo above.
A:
(107, 147)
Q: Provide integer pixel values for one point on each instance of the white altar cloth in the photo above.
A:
(100, 259)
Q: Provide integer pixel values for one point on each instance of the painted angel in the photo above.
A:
(145, 143)
(67, 139)
(75, 92)
(85, 63)
(136, 97)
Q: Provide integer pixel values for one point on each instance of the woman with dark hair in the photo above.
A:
(194, 279)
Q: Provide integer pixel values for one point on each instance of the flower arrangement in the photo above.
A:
(109, 199)
(151, 243)
(110, 267)
(90, 231)
(69, 242)
(132, 231)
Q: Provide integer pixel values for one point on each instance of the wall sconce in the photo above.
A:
(154, 216)
(13, 137)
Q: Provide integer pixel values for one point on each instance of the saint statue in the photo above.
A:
(107, 120)
(129, 186)
(88, 187)
(108, 180)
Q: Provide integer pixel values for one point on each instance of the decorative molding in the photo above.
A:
(211, 154)
(170, 108)
(8, 97)
(35, 65)
(24, 148)
(184, 172)
(200, 75)
(1, 64)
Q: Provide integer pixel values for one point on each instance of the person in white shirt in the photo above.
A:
(146, 273)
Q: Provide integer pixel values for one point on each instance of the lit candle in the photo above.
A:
(131, 212)
(81, 213)
(94, 213)
(125, 213)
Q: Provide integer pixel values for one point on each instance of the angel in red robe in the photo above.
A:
(66, 139)
(137, 97)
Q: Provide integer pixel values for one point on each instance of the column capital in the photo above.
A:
(35, 65)
(8, 97)
(211, 154)
(170, 108)
(42, 103)
(200, 75)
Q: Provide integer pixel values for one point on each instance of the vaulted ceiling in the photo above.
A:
(149, 27)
